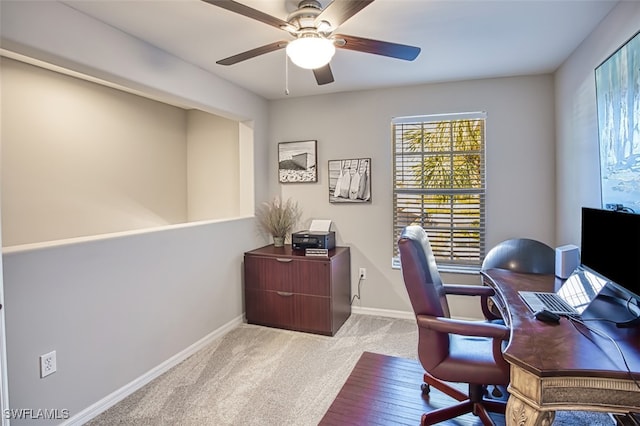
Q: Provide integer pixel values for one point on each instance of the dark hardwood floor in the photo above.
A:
(385, 390)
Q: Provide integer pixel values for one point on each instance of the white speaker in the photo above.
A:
(567, 260)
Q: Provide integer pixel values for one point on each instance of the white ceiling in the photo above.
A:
(460, 39)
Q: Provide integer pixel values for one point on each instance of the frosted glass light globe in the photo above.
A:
(311, 52)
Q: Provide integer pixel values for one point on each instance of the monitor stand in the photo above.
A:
(629, 324)
(613, 306)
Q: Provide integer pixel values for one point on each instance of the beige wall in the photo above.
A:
(519, 153)
(83, 159)
(212, 167)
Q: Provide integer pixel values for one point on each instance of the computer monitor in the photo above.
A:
(611, 246)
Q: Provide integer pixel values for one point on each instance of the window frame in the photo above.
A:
(444, 265)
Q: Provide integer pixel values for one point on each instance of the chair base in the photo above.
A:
(471, 403)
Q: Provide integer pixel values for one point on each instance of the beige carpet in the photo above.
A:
(259, 375)
(262, 376)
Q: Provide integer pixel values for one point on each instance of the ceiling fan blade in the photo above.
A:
(338, 11)
(252, 53)
(249, 12)
(323, 75)
(377, 47)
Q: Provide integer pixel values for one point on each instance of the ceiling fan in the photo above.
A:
(314, 39)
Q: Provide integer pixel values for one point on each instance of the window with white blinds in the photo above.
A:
(439, 184)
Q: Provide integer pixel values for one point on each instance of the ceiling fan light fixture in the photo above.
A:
(311, 52)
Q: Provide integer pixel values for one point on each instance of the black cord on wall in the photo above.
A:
(357, 296)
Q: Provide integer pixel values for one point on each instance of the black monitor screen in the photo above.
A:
(611, 246)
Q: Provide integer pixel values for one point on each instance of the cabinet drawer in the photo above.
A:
(288, 310)
(269, 308)
(287, 274)
(312, 313)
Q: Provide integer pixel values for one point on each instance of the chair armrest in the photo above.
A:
(464, 328)
(468, 290)
(483, 291)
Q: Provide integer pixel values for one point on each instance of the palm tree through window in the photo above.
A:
(439, 183)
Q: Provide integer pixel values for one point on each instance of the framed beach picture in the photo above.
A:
(350, 180)
(297, 162)
(618, 101)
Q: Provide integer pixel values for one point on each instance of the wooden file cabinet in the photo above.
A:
(286, 289)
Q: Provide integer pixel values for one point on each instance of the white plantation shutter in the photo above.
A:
(439, 184)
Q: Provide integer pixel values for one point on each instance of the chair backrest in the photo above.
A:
(420, 272)
(426, 292)
(521, 255)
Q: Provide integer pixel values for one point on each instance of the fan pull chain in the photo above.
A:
(286, 74)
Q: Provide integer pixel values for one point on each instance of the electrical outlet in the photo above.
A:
(47, 364)
(363, 273)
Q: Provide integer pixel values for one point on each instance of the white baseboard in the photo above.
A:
(120, 394)
(383, 313)
(397, 314)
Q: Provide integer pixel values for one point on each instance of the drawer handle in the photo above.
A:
(283, 260)
(284, 293)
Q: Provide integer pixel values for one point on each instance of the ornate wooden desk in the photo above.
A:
(562, 366)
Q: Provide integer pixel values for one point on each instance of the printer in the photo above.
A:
(313, 239)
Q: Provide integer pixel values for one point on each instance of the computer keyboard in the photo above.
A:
(553, 302)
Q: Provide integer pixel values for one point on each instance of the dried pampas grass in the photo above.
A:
(278, 217)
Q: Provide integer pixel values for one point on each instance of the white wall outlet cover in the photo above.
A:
(48, 364)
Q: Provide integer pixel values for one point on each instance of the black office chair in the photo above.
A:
(451, 350)
(518, 255)
(521, 255)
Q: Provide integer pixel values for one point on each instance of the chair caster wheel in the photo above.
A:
(425, 388)
(496, 393)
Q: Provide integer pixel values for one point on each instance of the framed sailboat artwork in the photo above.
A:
(350, 180)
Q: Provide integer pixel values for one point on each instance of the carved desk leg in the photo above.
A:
(519, 413)
(523, 407)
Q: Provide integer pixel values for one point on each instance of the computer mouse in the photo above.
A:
(547, 316)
